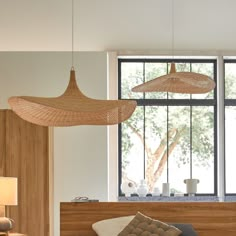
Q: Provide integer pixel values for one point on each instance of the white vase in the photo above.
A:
(191, 186)
(156, 192)
(166, 189)
(142, 188)
(127, 188)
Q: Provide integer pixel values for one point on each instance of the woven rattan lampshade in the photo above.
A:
(178, 82)
(71, 108)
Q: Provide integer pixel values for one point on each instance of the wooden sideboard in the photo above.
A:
(25, 154)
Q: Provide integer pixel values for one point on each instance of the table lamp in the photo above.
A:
(8, 197)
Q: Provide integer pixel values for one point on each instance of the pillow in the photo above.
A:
(111, 227)
(142, 225)
(187, 229)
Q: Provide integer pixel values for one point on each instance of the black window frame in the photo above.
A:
(177, 102)
(227, 102)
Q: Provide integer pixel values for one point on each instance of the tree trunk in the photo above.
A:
(154, 169)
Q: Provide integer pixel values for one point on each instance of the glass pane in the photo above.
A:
(132, 147)
(230, 160)
(155, 142)
(131, 76)
(205, 69)
(203, 147)
(179, 151)
(152, 71)
(230, 80)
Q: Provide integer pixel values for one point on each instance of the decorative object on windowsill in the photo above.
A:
(177, 82)
(142, 188)
(156, 192)
(179, 195)
(165, 189)
(8, 197)
(128, 188)
(72, 107)
(191, 186)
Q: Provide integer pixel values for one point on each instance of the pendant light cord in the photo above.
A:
(191, 134)
(172, 28)
(72, 31)
(191, 143)
(167, 141)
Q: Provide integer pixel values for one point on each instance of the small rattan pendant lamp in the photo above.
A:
(72, 107)
(177, 82)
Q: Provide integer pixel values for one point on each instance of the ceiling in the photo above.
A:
(128, 25)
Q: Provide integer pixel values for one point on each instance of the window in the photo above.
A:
(230, 125)
(170, 137)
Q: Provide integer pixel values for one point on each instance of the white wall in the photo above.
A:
(80, 153)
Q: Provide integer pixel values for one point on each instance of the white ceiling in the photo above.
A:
(45, 25)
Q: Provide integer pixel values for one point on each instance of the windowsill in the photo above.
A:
(176, 199)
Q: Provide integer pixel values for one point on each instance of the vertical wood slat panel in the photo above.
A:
(27, 158)
(2, 141)
(2, 149)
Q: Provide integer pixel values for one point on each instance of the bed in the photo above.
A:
(207, 218)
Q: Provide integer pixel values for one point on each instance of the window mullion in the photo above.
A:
(220, 130)
(144, 128)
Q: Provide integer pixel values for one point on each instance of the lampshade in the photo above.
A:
(8, 191)
(178, 82)
(71, 108)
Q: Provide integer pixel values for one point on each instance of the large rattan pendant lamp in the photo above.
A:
(72, 107)
(177, 82)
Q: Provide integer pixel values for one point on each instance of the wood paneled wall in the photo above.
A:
(25, 154)
(2, 148)
(207, 218)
